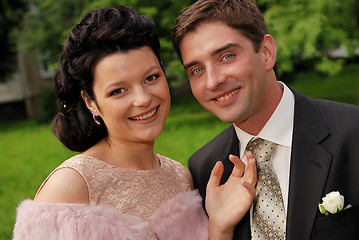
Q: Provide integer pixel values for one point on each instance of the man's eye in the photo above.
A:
(198, 71)
(152, 78)
(228, 57)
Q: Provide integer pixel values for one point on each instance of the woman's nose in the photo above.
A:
(141, 97)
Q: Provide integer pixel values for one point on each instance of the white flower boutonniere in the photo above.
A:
(332, 203)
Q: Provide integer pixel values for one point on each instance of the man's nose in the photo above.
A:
(215, 78)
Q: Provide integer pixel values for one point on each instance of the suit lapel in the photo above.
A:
(242, 230)
(310, 164)
(230, 146)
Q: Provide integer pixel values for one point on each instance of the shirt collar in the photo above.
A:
(279, 128)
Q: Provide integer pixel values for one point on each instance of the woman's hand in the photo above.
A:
(227, 204)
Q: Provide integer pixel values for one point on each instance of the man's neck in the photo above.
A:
(258, 120)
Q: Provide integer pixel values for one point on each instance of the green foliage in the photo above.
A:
(50, 22)
(11, 12)
(47, 107)
(47, 25)
(311, 30)
(306, 31)
(330, 66)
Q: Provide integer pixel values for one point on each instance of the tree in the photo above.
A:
(50, 21)
(306, 31)
(11, 12)
(47, 25)
(310, 30)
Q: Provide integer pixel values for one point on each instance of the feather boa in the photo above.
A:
(179, 218)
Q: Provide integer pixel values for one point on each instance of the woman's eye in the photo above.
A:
(152, 78)
(117, 91)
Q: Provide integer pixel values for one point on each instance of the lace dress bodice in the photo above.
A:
(138, 193)
(135, 192)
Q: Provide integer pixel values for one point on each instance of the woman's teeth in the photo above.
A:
(146, 116)
(227, 96)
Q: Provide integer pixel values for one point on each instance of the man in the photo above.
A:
(230, 59)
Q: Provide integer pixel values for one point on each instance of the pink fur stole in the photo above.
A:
(179, 218)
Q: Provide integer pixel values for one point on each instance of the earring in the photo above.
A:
(96, 119)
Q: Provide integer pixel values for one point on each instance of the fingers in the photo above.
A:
(216, 175)
(251, 188)
(238, 166)
(250, 175)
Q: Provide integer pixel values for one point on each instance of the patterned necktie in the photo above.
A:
(268, 219)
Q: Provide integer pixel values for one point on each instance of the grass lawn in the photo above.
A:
(30, 151)
(343, 87)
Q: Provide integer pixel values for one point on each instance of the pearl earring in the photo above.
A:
(96, 119)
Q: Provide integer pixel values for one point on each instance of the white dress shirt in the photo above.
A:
(278, 129)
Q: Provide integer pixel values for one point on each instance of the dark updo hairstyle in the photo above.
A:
(100, 33)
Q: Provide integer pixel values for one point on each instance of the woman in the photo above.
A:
(113, 102)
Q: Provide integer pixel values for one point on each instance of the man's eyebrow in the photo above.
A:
(188, 65)
(225, 47)
(216, 51)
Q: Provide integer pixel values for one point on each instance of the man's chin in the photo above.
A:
(225, 118)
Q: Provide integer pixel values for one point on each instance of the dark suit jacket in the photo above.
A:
(325, 158)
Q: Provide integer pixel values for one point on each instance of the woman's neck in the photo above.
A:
(129, 155)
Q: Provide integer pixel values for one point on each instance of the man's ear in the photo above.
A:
(270, 51)
(90, 104)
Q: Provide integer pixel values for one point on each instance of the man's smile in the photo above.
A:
(227, 96)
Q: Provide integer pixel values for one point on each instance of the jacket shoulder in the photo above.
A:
(339, 116)
(214, 145)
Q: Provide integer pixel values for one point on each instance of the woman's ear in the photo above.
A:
(270, 51)
(90, 104)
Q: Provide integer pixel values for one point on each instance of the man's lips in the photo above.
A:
(226, 96)
(146, 115)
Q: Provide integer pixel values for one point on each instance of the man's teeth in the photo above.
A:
(227, 96)
(148, 115)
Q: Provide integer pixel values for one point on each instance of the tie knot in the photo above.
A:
(261, 149)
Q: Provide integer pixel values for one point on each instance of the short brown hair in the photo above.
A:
(243, 15)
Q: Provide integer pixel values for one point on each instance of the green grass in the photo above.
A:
(343, 87)
(29, 151)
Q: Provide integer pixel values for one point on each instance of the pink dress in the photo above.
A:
(138, 193)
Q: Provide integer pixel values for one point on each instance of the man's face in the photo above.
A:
(227, 76)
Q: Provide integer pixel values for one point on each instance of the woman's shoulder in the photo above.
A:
(65, 184)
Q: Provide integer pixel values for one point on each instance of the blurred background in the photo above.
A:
(318, 55)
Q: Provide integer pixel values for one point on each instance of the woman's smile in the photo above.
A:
(149, 115)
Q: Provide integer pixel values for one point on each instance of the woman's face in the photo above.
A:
(131, 95)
